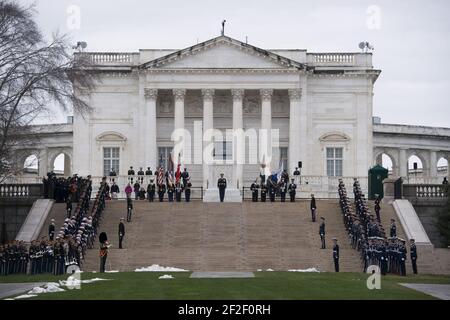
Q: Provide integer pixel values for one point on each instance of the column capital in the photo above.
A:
(179, 94)
(295, 94)
(150, 93)
(238, 94)
(208, 94)
(266, 94)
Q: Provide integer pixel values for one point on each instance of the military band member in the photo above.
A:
(292, 192)
(161, 191)
(254, 189)
(377, 209)
(131, 171)
(393, 229)
(403, 253)
(136, 188)
(187, 190)
(140, 172)
(283, 190)
(170, 191)
(313, 208)
(322, 232)
(51, 230)
(104, 245)
(336, 255)
(263, 192)
(121, 232)
(148, 172)
(413, 253)
(178, 191)
(129, 209)
(272, 191)
(151, 188)
(185, 176)
(222, 185)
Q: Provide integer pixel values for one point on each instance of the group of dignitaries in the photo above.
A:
(367, 235)
(274, 186)
(63, 247)
(175, 185)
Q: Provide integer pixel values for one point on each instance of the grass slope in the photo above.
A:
(265, 285)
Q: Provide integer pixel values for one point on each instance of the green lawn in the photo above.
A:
(266, 285)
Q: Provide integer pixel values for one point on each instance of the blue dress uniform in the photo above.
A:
(313, 208)
(254, 189)
(129, 209)
(336, 257)
(403, 260)
(272, 192)
(161, 191)
(413, 253)
(393, 230)
(292, 187)
(222, 185)
(170, 192)
(187, 191)
(151, 191)
(283, 191)
(263, 193)
(322, 234)
(178, 191)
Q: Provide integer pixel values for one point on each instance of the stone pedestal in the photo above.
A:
(388, 190)
(231, 195)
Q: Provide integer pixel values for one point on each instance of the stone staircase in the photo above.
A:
(224, 237)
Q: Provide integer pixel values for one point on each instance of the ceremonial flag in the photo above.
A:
(276, 175)
(160, 176)
(178, 174)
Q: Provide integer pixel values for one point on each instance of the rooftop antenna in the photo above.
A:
(246, 40)
(365, 46)
(223, 27)
(80, 46)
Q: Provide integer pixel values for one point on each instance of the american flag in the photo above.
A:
(160, 176)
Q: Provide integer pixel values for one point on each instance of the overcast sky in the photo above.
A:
(411, 38)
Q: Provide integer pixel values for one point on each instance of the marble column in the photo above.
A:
(265, 137)
(238, 138)
(43, 165)
(151, 148)
(432, 164)
(295, 96)
(179, 95)
(403, 164)
(208, 122)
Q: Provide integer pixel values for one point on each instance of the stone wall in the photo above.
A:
(13, 213)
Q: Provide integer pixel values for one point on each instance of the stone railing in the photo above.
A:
(340, 59)
(424, 191)
(112, 58)
(21, 190)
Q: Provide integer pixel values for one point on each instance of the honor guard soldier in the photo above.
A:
(170, 191)
(413, 253)
(148, 172)
(136, 188)
(393, 229)
(403, 259)
(114, 191)
(313, 208)
(336, 255)
(131, 171)
(322, 232)
(151, 191)
(51, 230)
(222, 185)
(140, 172)
(161, 191)
(254, 189)
(187, 190)
(184, 176)
(129, 209)
(104, 245)
(283, 190)
(178, 191)
(292, 187)
(272, 191)
(121, 232)
(377, 209)
(297, 173)
(69, 207)
(112, 172)
(263, 192)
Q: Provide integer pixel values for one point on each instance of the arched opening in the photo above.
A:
(442, 167)
(61, 165)
(31, 164)
(386, 161)
(415, 165)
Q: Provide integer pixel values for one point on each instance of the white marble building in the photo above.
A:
(320, 102)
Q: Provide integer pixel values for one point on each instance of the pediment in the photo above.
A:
(222, 53)
(334, 137)
(111, 136)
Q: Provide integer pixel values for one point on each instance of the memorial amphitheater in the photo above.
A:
(316, 110)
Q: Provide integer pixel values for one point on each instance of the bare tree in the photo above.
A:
(33, 75)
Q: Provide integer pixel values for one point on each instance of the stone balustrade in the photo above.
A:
(424, 191)
(108, 58)
(21, 190)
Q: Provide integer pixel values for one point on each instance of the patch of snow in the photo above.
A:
(259, 270)
(72, 282)
(46, 288)
(24, 296)
(158, 268)
(112, 271)
(166, 276)
(269, 269)
(304, 270)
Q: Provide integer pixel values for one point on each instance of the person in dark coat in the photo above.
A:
(51, 230)
(121, 232)
(322, 232)
(336, 255)
(161, 191)
(136, 188)
(263, 192)
(222, 185)
(413, 254)
(151, 188)
(313, 208)
(254, 189)
(148, 172)
(291, 188)
(187, 190)
(104, 245)
(393, 229)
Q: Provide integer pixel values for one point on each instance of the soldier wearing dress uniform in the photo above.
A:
(129, 209)
(336, 255)
(313, 208)
(222, 185)
(151, 191)
(104, 245)
(148, 172)
(121, 232)
(263, 192)
(140, 172)
(393, 229)
(178, 191)
(136, 188)
(322, 232)
(51, 230)
(377, 209)
(170, 192)
(272, 191)
(413, 254)
(254, 189)
(131, 171)
(187, 190)
(292, 187)
(283, 190)
(185, 176)
(161, 191)
(403, 253)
